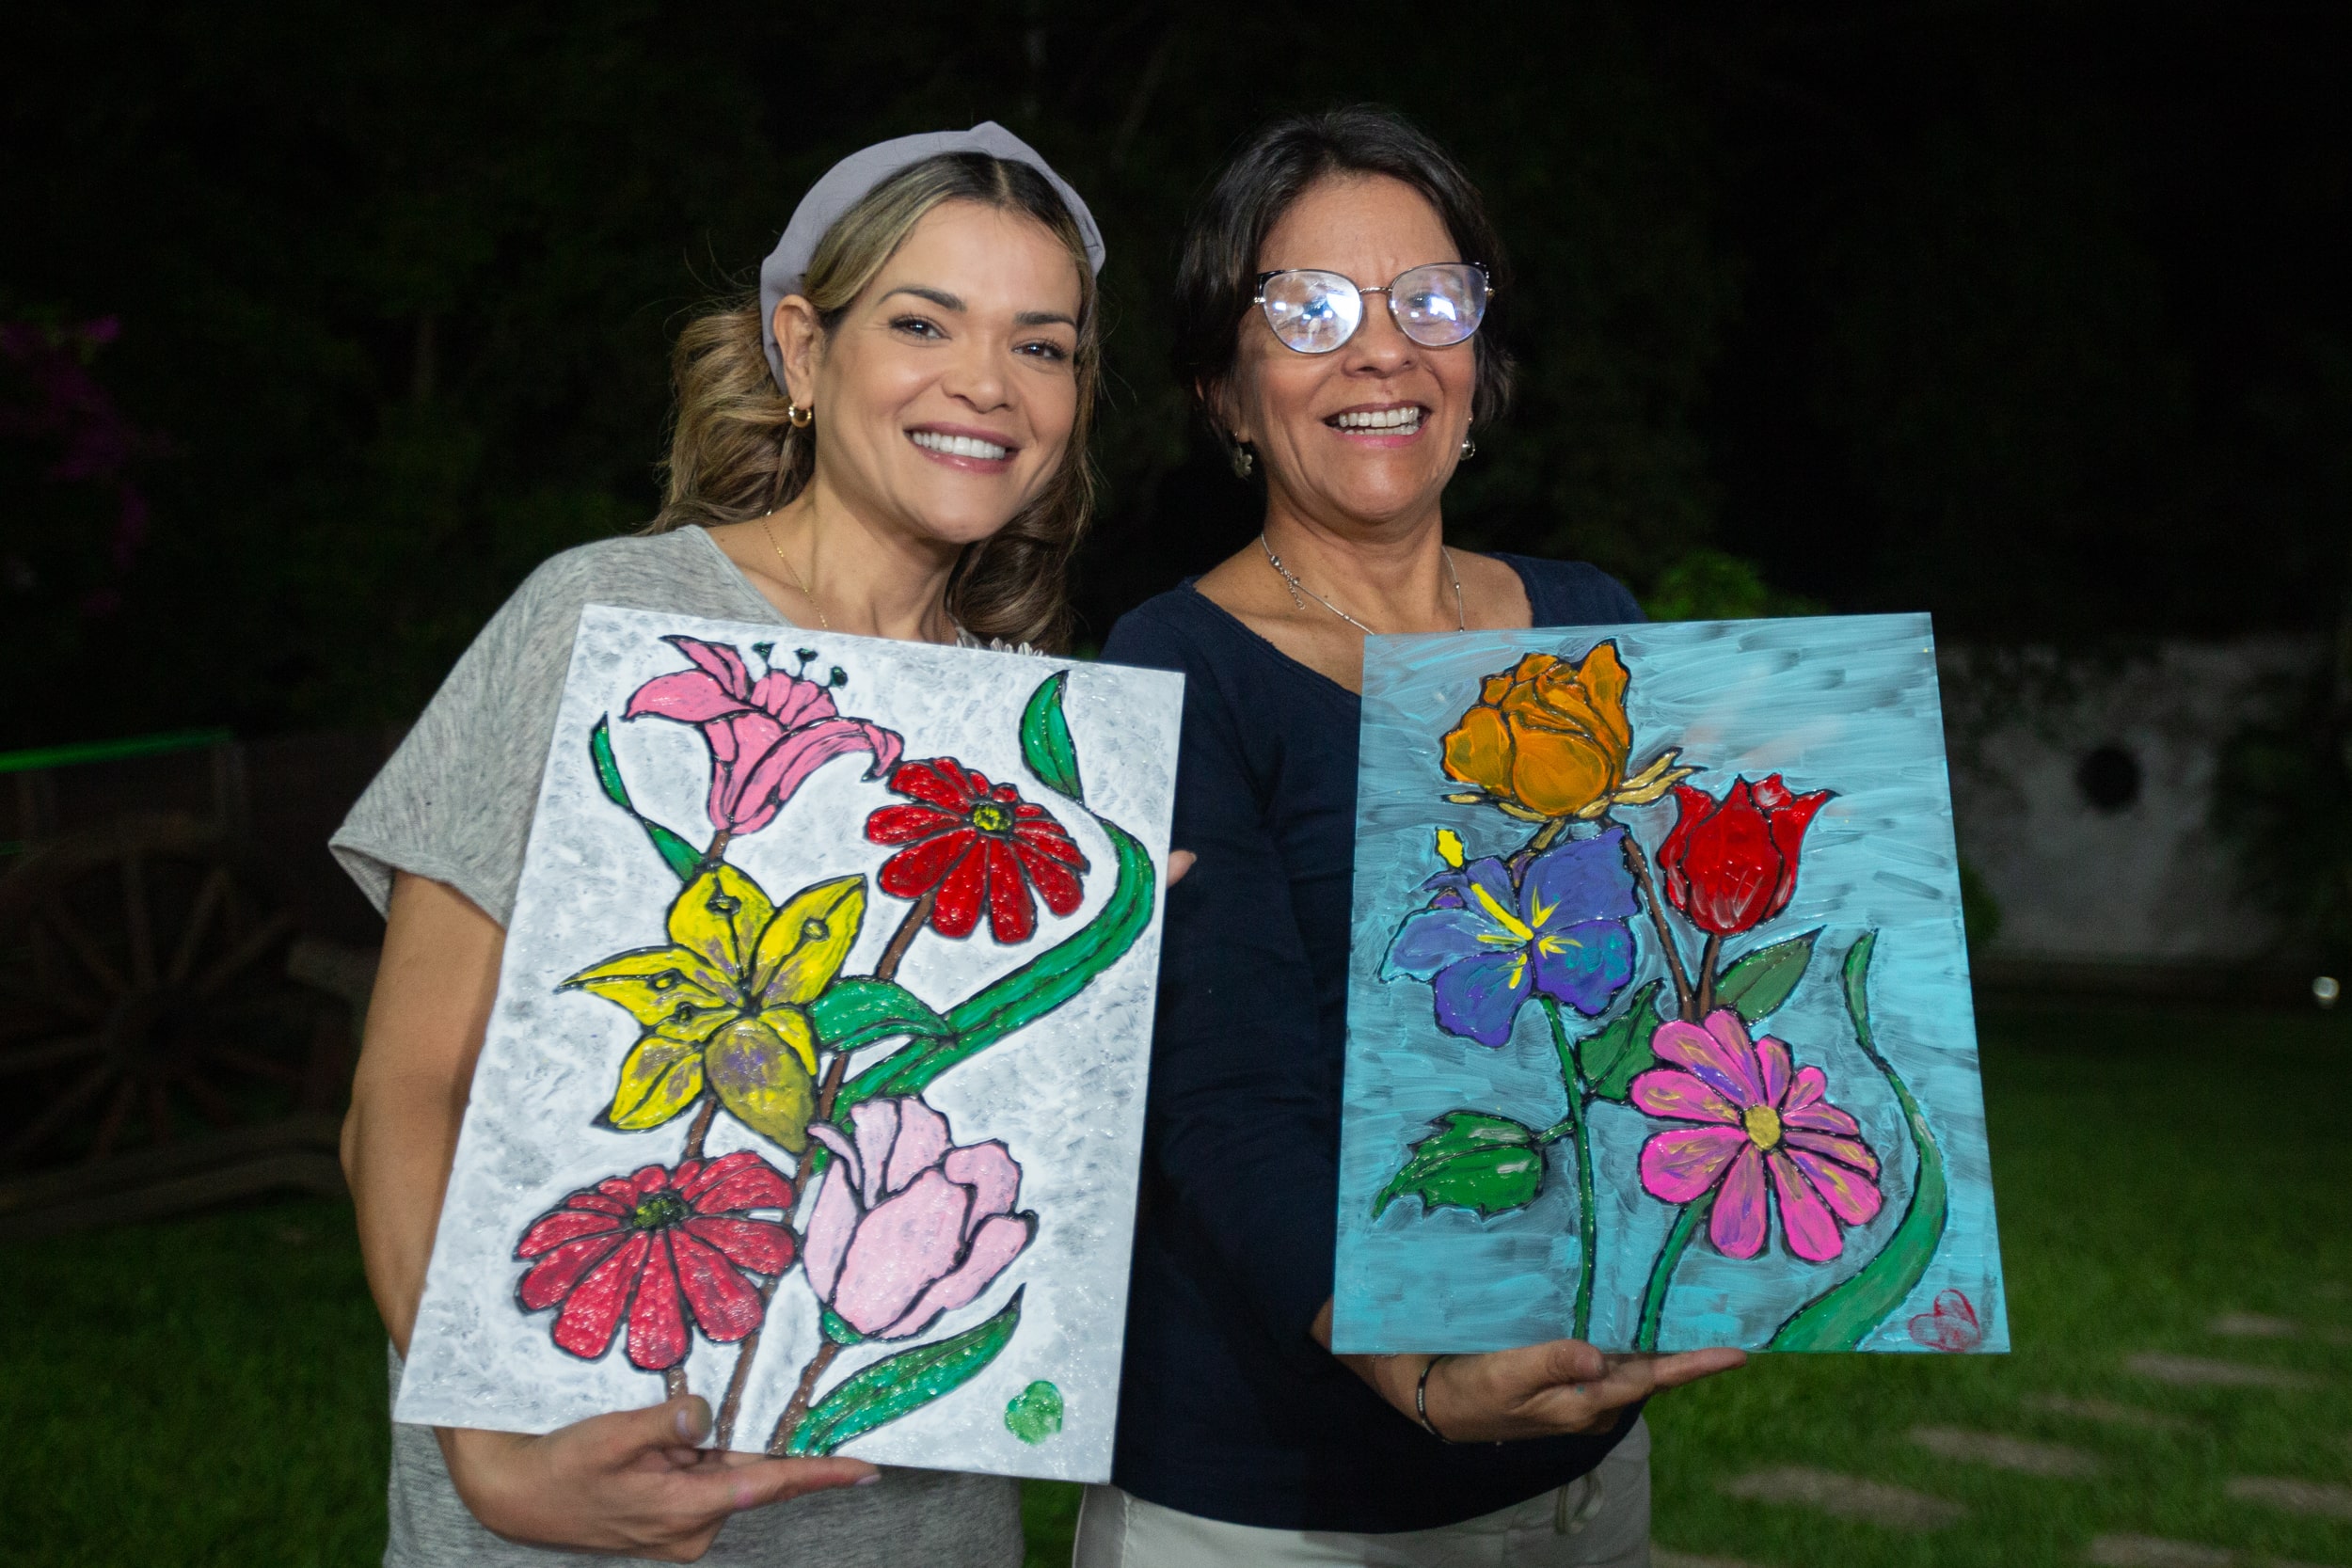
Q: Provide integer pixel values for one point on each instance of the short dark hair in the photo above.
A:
(1217, 278)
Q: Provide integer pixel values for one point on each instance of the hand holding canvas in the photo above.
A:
(1544, 1390)
(630, 1483)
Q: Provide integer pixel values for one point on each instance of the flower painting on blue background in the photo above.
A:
(1658, 1022)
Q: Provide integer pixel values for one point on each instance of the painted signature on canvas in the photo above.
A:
(743, 1010)
(1747, 1136)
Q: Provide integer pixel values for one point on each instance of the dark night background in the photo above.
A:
(329, 322)
(322, 324)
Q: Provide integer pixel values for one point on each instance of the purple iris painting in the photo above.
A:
(1487, 943)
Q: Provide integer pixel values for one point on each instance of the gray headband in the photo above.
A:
(844, 186)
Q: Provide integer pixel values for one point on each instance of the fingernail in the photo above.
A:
(694, 1418)
(874, 1479)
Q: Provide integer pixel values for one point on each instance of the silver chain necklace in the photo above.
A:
(1461, 617)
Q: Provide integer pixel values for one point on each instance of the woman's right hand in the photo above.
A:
(1546, 1390)
(629, 1483)
(1565, 1386)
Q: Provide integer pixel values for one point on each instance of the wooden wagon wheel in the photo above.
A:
(141, 993)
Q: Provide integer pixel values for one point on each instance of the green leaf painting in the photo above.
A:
(902, 1384)
(861, 1011)
(1840, 1318)
(1616, 1055)
(1045, 741)
(680, 856)
(1486, 1164)
(1757, 985)
(1034, 1413)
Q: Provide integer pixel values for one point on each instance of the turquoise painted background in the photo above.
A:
(1847, 704)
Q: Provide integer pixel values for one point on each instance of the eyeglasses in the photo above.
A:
(1316, 312)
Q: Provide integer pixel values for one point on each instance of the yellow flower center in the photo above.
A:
(1763, 1124)
(991, 818)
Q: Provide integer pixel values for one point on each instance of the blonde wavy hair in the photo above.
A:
(734, 456)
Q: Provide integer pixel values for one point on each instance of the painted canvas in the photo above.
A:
(815, 1079)
(1658, 1022)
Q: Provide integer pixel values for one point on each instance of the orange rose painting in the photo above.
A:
(1548, 740)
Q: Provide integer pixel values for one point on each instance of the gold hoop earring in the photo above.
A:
(797, 416)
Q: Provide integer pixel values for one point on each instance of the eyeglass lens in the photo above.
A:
(1315, 313)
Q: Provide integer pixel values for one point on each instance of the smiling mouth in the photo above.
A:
(959, 446)
(1379, 422)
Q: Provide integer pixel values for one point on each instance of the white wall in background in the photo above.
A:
(2138, 878)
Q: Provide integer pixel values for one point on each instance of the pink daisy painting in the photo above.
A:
(1765, 1136)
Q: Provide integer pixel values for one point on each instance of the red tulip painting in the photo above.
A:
(709, 1146)
(1731, 865)
(1762, 1125)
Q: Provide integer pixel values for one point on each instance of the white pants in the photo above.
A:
(1599, 1520)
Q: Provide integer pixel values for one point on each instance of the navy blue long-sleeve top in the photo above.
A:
(1227, 1407)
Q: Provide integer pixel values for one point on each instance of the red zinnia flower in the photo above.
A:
(973, 842)
(651, 1247)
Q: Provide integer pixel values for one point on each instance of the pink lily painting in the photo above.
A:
(804, 1090)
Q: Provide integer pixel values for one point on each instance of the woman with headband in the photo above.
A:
(890, 442)
(1329, 306)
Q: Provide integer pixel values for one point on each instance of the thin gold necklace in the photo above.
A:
(799, 582)
(1461, 617)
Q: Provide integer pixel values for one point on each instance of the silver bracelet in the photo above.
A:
(1421, 1400)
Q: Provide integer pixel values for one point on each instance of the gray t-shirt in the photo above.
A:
(454, 804)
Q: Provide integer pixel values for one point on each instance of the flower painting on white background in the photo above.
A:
(1659, 1024)
(815, 1081)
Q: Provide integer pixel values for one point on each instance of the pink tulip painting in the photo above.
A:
(1757, 1118)
(908, 1225)
(766, 736)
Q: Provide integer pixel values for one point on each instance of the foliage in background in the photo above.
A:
(1713, 585)
(2283, 798)
(1899, 315)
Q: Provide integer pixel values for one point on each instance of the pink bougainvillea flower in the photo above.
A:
(976, 843)
(1761, 1126)
(908, 1225)
(766, 736)
(654, 1247)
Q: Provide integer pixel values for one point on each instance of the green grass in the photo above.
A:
(2153, 1169)
(212, 1391)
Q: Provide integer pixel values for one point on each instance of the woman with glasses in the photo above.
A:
(1329, 303)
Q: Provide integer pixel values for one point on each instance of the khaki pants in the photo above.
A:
(1601, 1520)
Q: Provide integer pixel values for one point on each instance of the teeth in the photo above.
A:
(1407, 419)
(961, 446)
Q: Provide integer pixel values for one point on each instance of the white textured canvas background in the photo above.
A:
(1065, 1095)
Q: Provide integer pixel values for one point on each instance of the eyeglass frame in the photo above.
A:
(1386, 290)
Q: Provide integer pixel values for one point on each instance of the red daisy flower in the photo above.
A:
(975, 843)
(653, 1247)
